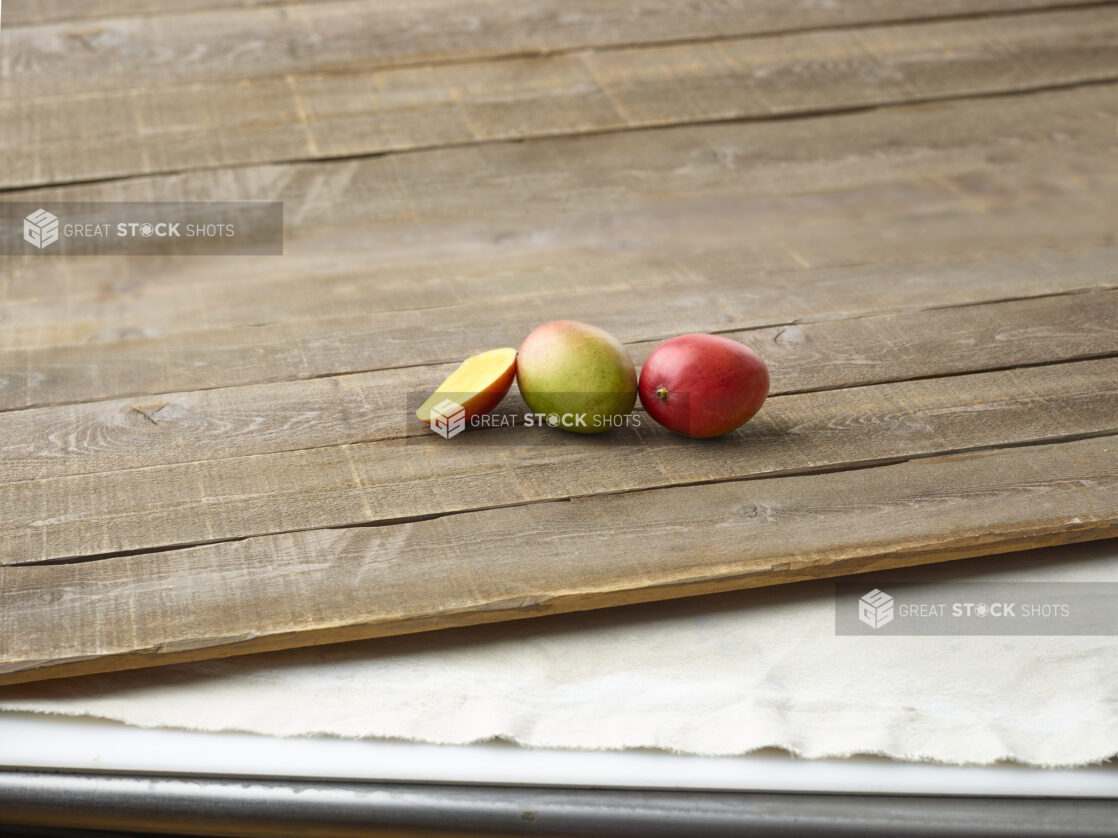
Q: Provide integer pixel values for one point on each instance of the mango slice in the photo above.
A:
(478, 384)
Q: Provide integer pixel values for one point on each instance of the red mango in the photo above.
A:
(703, 385)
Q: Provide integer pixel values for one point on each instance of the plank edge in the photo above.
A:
(964, 545)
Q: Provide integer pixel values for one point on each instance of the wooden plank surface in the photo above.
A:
(92, 437)
(29, 12)
(323, 586)
(67, 374)
(911, 186)
(1008, 175)
(392, 480)
(131, 131)
(233, 36)
(203, 457)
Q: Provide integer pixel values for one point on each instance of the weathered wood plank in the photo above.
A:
(114, 43)
(287, 294)
(312, 116)
(966, 179)
(163, 303)
(188, 503)
(286, 416)
(65, 374)
(326, 586)
(711, 249)
(31, 12)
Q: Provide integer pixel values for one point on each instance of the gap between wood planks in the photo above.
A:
(953, 200)
(177, 10)
(152, 507)
(728, 38)
(977, 450)
(1000, 368)
(328, 586)
(620, 46)
(784, 117)
(638, 409)
(590, 117)
(799, 321)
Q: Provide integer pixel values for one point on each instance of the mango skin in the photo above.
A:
(566, 367)
(703, 385)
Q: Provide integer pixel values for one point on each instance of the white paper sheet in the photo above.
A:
(717, 675)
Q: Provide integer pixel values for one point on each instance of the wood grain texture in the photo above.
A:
(206, 457)
(324, 586)
(957, 181)
(392, 480)
(286, 416)
(963, 179)
(1023, 174)
(64, 374)
(31, 12)
(131, 131)
(116, 43)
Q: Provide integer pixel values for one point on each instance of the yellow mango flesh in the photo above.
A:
(479, 383)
